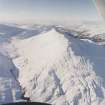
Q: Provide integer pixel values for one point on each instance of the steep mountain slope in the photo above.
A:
(9, 87)
(60, 69)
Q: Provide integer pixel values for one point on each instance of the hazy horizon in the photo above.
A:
(46, 11)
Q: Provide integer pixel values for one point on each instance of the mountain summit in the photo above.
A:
(61, 70)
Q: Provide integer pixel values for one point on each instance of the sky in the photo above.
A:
(47, 10)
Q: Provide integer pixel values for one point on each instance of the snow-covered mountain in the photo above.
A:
(20, 31)
(56, 67)
(10, 90)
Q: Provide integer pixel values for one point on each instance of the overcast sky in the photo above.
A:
(47, 10)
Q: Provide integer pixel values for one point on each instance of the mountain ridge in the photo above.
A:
(69, 79)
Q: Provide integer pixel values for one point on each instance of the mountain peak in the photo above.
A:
(58, 70)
